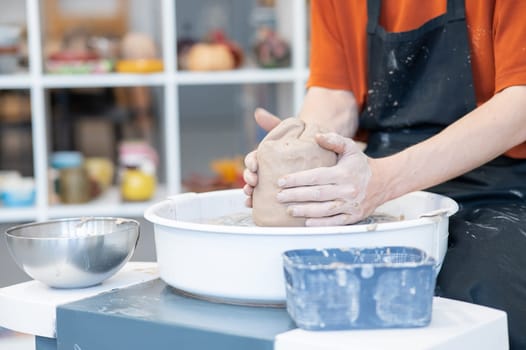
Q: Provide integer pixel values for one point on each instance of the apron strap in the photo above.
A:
(455, 11)
(373, 15)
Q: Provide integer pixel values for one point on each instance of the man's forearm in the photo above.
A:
(333, 110)
(480, 136)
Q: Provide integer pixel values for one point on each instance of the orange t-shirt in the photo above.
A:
(496, 29)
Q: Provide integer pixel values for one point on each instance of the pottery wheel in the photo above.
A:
(227, 301)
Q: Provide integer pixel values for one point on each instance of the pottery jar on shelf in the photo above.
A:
(137, 184)
(137, 170)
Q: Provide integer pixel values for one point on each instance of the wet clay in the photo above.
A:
(288, 148)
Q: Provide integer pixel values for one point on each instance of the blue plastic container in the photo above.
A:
(11, 199)
(359, 288)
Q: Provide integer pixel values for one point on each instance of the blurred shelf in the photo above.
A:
(108, 204)
(240, 76)
(291, 21)
(97, 80)
(15, 81)
(17, 214)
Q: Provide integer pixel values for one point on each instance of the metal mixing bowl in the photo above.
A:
(73, 253)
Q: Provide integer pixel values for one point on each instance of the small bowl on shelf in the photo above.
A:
(17, 191)
(71, 62)
(73, 253)
(139, 66)
(359, 288)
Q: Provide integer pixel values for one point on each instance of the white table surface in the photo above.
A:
(30, 307)
(455, 325)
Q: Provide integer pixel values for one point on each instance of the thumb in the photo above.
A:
(337, 143)
(265, 119)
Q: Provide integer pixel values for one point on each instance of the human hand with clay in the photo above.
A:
(320, 196)
(335, 195)
(267, 121)
(292, 146)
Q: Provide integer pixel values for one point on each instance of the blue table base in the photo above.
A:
(43, 343)
(152, 316)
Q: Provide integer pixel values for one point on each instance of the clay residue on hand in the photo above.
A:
(288, 148)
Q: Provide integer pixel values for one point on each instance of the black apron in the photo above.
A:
(418, 83)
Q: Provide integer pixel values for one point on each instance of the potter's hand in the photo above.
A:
(334, 195)
(267, 121)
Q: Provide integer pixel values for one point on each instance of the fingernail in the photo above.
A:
(323, 137)
(281, 182)
(280, 197)
(330, 139)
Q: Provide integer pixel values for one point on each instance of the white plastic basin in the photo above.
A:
(244, 264)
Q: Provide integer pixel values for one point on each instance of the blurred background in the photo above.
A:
(108, 106)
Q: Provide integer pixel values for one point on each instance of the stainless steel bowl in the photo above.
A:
(73, 253)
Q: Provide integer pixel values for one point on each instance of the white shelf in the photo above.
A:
(17, 214)
(291, 22)
(97, 80)
(108, 204)
(15, 81)
(241, 76)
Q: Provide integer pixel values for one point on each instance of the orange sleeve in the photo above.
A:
(327, 55)
(510, 52)
(509, 43)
